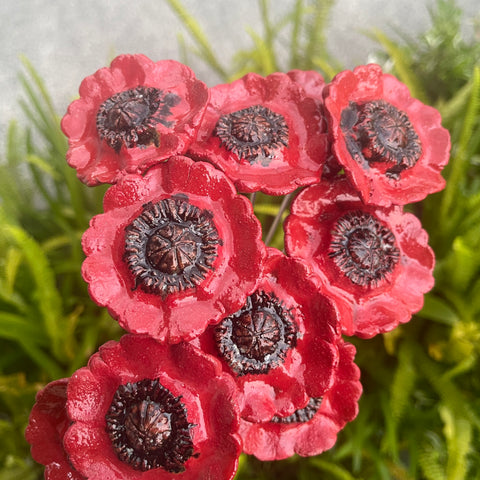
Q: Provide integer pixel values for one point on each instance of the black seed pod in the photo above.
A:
(379, 132)
(257, 337)
(171, 246)
(254, 133)
(129, 118)
(149, 428)
(363, 249)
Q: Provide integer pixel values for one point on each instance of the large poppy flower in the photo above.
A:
(375, 261)
(47, 425)
(314, 428)
(131, 115)
(265, 133)
(139, 411)
(175, 250)
(281, 346)
(391, 145)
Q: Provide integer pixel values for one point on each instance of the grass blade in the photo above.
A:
(269, 36)
(46, 294)
(402, 64)
(200, 38)
(460, 162)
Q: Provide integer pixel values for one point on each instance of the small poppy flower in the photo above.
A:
(313, 429)
(265, 133)
(392, 147)
(281, 346)
(175, 250)
(132, 115)
(139, 410)
(375, 261)
(47, 425)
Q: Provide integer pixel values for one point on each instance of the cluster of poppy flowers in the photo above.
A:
(233, 345)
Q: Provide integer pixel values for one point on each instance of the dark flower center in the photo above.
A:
(148, 427)
(171, 246)
(257, 337)
(302, 415)
(254, 133)
(380, 132)
(363, 249)
(129, 118)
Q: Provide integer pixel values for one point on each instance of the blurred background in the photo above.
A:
(69, 40)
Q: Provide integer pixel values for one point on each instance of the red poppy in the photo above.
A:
(142, 410)
(375, 261)
(313, 429)
(265, 133)
(175, 250)
(132, 115)
(391, 145)
(281, 346)
(47, 424)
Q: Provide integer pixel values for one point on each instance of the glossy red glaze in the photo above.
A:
(368, 83)
(308, 368)
(207, 393)
(97, 162)
(365, 310)
(277, 441)
(47, 425)
(184, 314)
(300, 163)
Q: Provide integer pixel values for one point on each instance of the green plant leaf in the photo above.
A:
(460, 161)
(458, 433)
(334, 471)
(203, 45)
(262, 56)
(438, 310)
(18, 328)
(46, 294)
(430, 463)
(43, 165)
(402, 63)
(401, 390)
(465, 262)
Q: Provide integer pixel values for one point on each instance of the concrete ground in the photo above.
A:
(67, 40)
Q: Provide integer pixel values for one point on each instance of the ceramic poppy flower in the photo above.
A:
(132, 115)
(375, 261)
(265, 133)
(47, 424)
(175, 250)
(391, 145)
(140, 410)
(281, 346)
(314, 428)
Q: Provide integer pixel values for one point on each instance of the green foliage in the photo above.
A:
(302, 29)
(419, 416)
(48, 324)
(442, 58)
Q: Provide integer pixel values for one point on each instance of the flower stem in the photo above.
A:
(278, 217)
